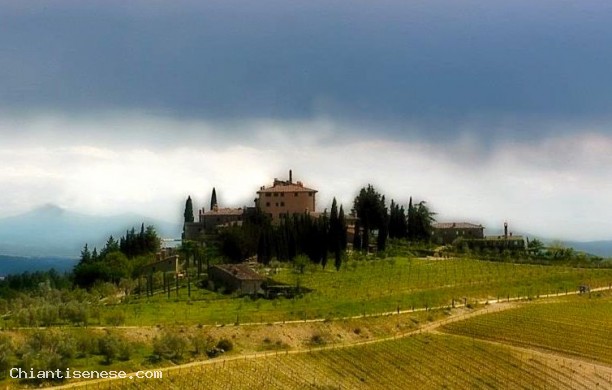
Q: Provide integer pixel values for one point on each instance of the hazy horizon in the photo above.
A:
(489, 112)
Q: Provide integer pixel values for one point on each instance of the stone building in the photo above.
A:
(473, 236)
(166, 264)
(286, 197)
(235, 278)
(220, 216)
(507, 241)
(446, 232)
(210, 220)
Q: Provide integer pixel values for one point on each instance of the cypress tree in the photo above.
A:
(323, 238)
(342, 224)
(213, 199)
(85, 255)
(383, 228)
(411, 228)
(402, 229)
(337, 260)
(334, 228)
(393, 227)
(188, 210)
(382, 235)
(264, 249)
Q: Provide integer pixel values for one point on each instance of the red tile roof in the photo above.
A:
(240, 271)
(286, 188)
(224, 211)
(455, 225)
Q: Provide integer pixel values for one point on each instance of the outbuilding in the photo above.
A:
(236, 278)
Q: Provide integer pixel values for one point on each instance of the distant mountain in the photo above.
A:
(17, 265)
(601, 248)
(598, 248)
(51, 231)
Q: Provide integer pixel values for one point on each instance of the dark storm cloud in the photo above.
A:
(430, 67)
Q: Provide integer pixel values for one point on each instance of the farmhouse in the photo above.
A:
(235, 277)
(168, 264)
(286, 197)
(446, 232)
(499, 243)
(215, 217)
(220, 216)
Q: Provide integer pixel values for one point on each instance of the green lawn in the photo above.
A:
(365, 287)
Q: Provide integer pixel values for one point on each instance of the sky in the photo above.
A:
(488, 111)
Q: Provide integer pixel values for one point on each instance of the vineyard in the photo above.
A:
(579, 326)
(424, 361)
(516, 341)
(366, 288)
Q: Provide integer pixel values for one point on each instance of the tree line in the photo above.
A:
(394, 222)
(325, 235)
(118, 259)
(297, 234)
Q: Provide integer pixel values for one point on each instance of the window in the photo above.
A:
(310, 194)
(282, 204)
(282, 194)
(295, 194)
(268, 194)
(276, 194)
(276, 204)
(267, 204)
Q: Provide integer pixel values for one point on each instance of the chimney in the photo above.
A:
(505, 229)
(290, 177)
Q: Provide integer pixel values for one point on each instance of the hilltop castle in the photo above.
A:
(284, 197)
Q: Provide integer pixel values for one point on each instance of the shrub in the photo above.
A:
(6, 355)
(48, 314)
(125, 351)
(115, 319)
(317, 339)
(47, 351)
(201, 343)
(225, 344)
(74, 312)
(171, 346)
(86, 344)
(109, 347)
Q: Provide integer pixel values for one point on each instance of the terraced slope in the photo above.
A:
(578, 326)
(425, 361)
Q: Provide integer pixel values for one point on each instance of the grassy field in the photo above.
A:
(569, 326)
(422, 361)
(336, 356)
(578, 325)
(364, 287)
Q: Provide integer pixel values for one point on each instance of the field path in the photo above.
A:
(491, 306)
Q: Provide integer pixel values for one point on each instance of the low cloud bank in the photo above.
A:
(555, 187)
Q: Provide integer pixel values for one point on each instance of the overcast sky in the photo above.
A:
(489, 111)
